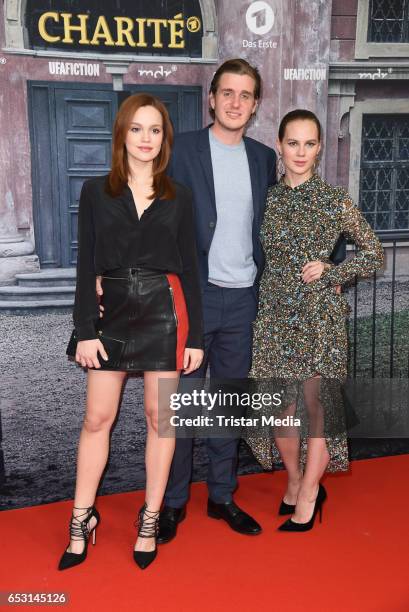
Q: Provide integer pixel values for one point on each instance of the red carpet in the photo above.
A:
(356, 560)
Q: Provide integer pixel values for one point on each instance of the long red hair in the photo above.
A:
(118, 177)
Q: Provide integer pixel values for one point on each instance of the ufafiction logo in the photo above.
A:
(260, 17)
(305, 74)
(73, 68)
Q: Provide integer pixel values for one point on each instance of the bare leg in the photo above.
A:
(288, 443)
(317, 453)
(159, 450)
(103, 393)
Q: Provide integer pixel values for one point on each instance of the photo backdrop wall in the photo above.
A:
(65, 67)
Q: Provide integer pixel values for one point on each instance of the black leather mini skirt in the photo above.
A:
(145, 309)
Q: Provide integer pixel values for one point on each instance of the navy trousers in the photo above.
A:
(228, 317)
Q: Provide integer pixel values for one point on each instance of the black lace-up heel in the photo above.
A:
(79, 530)
(148, 527)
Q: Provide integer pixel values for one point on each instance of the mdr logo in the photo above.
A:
(260, 19)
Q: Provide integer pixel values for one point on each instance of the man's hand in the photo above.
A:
(87, 353)
(100, 293)
(192, 360)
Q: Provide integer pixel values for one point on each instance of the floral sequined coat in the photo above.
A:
(300, 330)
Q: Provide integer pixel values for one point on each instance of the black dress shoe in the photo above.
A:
(168, 523)
(234, 517)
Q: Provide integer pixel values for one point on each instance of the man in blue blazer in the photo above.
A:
(229, 175)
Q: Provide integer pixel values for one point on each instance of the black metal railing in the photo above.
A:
(379, 336)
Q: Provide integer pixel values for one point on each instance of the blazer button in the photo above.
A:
(212, 224)
(204, 252)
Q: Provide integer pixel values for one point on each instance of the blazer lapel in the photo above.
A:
(206, 162)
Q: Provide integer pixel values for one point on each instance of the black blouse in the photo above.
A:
(110, 236)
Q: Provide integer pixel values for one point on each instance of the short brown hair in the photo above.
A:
(118, 177)
(236, 66)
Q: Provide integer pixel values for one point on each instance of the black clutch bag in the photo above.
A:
(113, 347)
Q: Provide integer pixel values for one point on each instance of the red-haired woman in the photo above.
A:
(135, 229)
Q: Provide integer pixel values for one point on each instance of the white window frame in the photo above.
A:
(365, 49)
(368, 107)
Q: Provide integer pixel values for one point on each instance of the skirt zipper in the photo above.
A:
(173, 304)
(115, 277)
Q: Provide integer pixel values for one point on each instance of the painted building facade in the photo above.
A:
(66, 66)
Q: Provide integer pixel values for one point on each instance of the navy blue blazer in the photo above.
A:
(191, 165)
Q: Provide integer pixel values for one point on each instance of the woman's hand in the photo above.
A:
(100, 293)
(192, 359)
(87, 353)
(313, 271)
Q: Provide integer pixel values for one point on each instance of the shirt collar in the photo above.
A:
(308, 185)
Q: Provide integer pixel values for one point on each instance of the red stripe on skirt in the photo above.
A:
(182, 318)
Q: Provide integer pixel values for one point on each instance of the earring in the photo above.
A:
(280, 167)
(316, 165)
